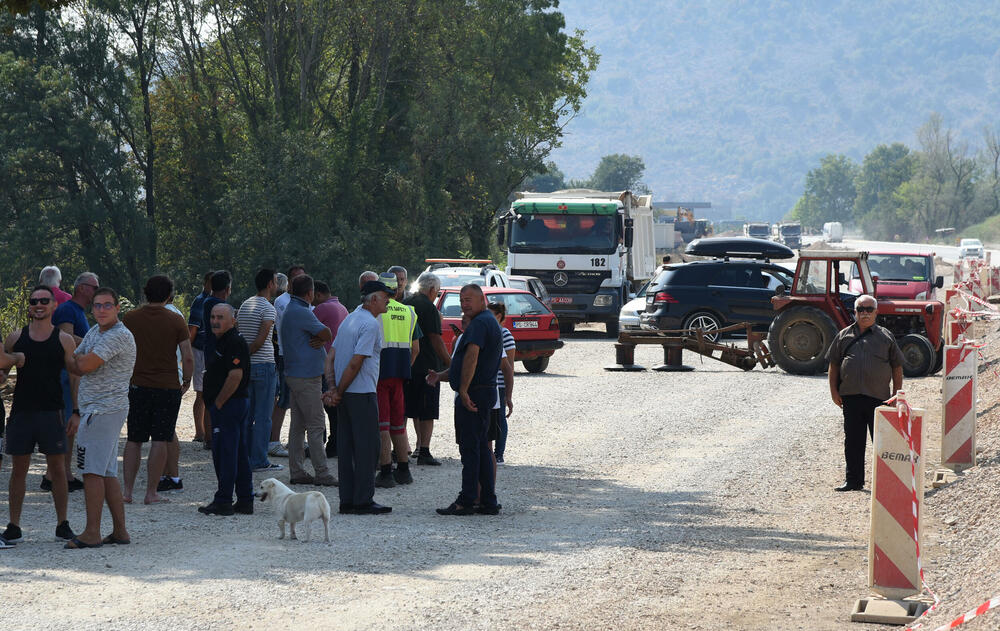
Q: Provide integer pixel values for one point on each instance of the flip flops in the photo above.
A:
(111, 540)
(76, 544)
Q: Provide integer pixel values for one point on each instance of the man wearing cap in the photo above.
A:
(401, 344)
(352, 369)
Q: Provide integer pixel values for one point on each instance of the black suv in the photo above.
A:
(737, 286)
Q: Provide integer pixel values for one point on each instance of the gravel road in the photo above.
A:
(700, 500)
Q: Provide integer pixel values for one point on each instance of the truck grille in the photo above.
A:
(577, 281)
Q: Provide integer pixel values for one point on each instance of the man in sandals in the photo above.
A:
(104, 360)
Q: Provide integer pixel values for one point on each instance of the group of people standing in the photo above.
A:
(291, 346)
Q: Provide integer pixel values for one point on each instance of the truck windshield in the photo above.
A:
(791, 231)
(899, 267)
(587, 234)
(758, 231)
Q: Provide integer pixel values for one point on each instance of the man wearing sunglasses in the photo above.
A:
(37, 414)
(863, 358)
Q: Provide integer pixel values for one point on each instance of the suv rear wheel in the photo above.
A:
(799, 338)
(706, 321)
(918, 355)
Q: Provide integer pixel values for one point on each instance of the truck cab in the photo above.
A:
(590, 249)
(757, 230)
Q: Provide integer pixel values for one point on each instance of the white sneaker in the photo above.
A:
(276, 450)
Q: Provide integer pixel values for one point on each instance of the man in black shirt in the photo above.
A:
(227, 377)
(421, 399)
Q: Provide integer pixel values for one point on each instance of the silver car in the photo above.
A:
(628, 318)
(971, 249)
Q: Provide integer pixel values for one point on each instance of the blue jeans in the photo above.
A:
(263, 381)
(229, 451)
(501, 442)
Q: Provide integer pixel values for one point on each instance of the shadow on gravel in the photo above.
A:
(547, 511)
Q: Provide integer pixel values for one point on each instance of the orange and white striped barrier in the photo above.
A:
(958, 403)
(894, 569)
(992, 603)
(959, 273)
(995, 281)
(957, 329)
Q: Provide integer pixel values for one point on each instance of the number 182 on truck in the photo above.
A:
(591, 249)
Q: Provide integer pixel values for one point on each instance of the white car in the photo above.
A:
(628, 318)
(971, 249)
(460, 272)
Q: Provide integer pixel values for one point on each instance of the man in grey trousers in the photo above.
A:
(352, 367)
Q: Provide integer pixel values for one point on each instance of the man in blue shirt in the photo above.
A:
(473, 376)
(352, 368)
(303, 338)
(71, 317)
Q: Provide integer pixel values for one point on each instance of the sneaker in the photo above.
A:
(305, 479)
(167, 484)
(12, 534)
(243, 508)
(275, 449)
(500, 462)
(384, 480)
(5, 545)
(46, 484)
(75, 484)
(425, 458)
(402, 476)
(207, 446)
(63, 531)
(269, 467)
(216, 509)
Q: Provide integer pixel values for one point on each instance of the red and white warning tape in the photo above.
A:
(992, 603)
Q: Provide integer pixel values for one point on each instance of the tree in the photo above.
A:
(829, 193)
(545, 181)
(619, 172)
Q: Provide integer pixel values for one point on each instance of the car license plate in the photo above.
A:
(526, 324)
(561, 300)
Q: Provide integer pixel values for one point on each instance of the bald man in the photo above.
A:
(227, 397)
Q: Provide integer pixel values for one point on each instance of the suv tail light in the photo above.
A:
(663, 298)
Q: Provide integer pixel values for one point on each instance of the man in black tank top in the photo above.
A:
(36, 416)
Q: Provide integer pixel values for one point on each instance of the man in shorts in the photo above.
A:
(422, 398)
(36, 417)
(104, 360)
(7, 361)
(155, 394)
(196, 332)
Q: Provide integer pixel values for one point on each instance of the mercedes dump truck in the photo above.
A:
(591, 250)
(789, 233)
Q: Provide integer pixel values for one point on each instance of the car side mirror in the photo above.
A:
(780, 290)
(939, 282)
(500, 235)
(629, 233)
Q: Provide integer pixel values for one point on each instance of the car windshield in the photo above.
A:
(564, 233)
(519, 304)
(899, 267)
(517, 283)
(972, 243)
(459, 279)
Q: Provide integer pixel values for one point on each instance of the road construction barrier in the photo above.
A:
(897, 503)
(957, 329)
(992, 603)
(958, 415)
(954, 324)
(959, 273)
(995, 281)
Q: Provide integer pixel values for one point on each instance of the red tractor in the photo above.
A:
(821, 303)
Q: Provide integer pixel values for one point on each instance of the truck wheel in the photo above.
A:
(799, 338)
(705, 321)
(918, 355)
(536, 365)
(611, 328)
(566, 327)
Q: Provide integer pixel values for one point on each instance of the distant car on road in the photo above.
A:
(971, 249)
(460, 272)
(534, 327)
(735, 287)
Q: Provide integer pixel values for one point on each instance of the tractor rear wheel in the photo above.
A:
(799, 338)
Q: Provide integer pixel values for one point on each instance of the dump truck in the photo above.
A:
(591, 249)
(789, 233)
(757, 230)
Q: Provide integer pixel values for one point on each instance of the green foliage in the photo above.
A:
(188, 135)
(545, 181)
(829, 193)
(619, 172)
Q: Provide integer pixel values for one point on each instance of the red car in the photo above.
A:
(534, 327)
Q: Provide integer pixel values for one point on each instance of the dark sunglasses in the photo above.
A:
(38, 301)
(865, 309)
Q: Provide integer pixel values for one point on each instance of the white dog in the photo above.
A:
(293, 507)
